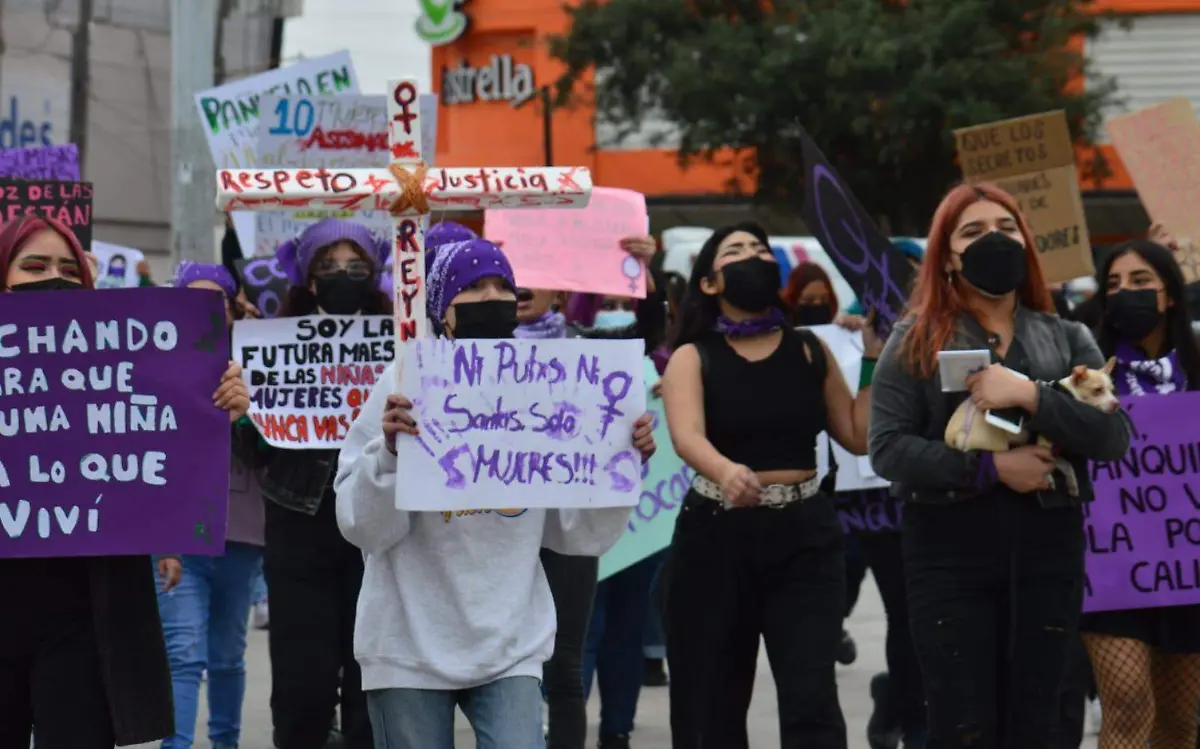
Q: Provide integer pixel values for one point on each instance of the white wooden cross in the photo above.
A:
(409, 191)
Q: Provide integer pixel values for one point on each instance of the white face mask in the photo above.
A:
(609, 319)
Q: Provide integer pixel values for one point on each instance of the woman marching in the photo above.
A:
(205, 616)
(993, 555)
(572, 578)
(455, 610)
(1147, 661)
(312, 573)
(82, 662)
(757, 546)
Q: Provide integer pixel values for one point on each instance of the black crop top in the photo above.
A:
(765, 415)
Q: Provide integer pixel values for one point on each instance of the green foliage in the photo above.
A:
(879, 84)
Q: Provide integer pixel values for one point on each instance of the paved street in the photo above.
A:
(867, 627)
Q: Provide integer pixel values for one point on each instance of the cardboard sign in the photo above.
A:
(1033, 159)
(666, 480)
(877, 272)
(309, 376)
(112, 444)
(69, 202)
(1143, 529)
(575, 250)
(521, 423)
(1160, 146)
(43, 162)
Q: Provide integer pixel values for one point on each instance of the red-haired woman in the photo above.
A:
(82, 659)
(993, 554)
(809, 296)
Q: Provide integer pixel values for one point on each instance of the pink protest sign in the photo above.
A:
(1143, 529)
(575, 250)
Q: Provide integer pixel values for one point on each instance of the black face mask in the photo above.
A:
(484, 320)
(49, 284)
(751, 285)
(994, 264)
(1132, 314)
(813, 314)
(340, 294)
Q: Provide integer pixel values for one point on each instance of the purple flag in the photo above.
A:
(109, 440)
(44, 162)
(1143, 529)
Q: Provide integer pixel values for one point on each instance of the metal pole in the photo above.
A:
(547, 126)
(81, 73)
(193, 174)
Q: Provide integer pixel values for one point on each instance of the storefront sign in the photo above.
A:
(441, 21)
(501, 79)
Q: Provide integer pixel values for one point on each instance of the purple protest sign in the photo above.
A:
(1143, 529)
(109, 441)
(877, 271)
(265, 284)
(869, 511)
(44, 162)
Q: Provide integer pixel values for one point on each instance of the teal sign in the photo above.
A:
(665, 482)
(441, 21)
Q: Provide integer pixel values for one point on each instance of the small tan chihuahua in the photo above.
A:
(967, 429)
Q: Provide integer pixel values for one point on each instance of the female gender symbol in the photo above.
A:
(632, 269)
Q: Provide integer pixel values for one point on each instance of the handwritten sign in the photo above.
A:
(69, 202)
(521, 423)
(43, 162)
(1032, 158)
(273, 228)
(1160, 146)
(575, 250)
(1143, 529)
(118, 266)
(265, 284)
(877, 271)
(309, 376)
(666, 480)
(111, 443)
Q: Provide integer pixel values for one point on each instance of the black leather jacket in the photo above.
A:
(294, 479)
(909, 414)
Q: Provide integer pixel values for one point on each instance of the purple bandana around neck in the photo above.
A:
(660, 356)
(1137, 375)
(549, 325)
(752, 327)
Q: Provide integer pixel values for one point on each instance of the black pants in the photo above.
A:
(573, 584)
(1078, 688)
(856, 572)
(882, 552)
(994, 592)
(736, 575)
(50, 677)
(314, 576)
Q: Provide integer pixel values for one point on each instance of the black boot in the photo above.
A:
(847, 651)
(655, 674)
(618, 741)
(882, 731)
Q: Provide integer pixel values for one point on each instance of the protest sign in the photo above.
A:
(118, 266)
(111, 442)
(1160, 146)
(265, 284)
(1033, 159)
(1143, 528)
(273, 228)
(665, 482)
(231, 115)
(521, 423)
(42, 162)
(877, 271)
(69, 202)
(309, 376)
(578, 249)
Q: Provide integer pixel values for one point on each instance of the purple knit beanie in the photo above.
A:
(189, 272)
(456, 266)
(296, 255)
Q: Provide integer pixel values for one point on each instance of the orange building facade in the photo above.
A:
(489, 81)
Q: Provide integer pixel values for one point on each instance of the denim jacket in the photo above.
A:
(293, 479)
(909, 413)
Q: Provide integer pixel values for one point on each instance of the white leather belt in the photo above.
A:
(772, 495)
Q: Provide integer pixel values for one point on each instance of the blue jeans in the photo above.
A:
(506, 714)
(259, 587)
(204, 620)
(614, 646)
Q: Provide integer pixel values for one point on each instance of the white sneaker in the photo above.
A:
(1092, 718)
(261, 618)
